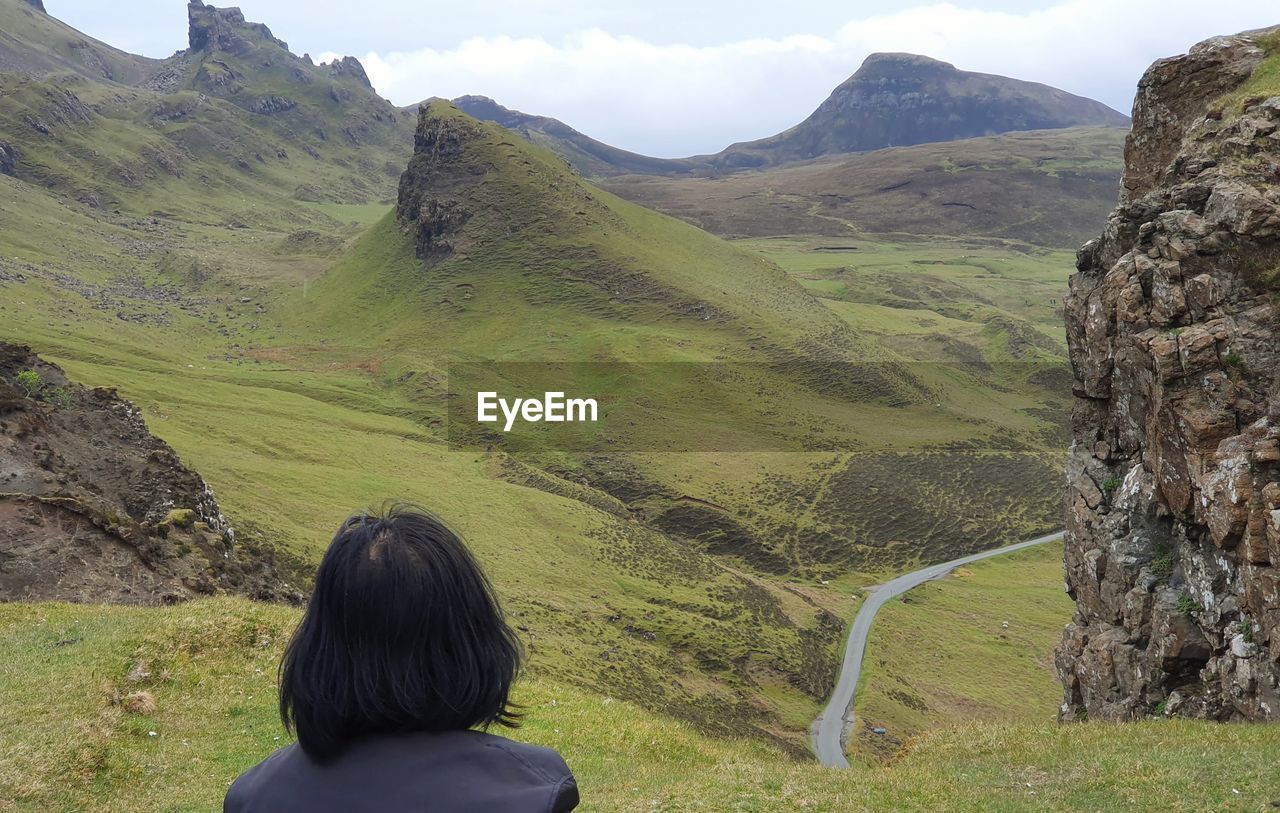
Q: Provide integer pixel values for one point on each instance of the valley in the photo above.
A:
(820, 363)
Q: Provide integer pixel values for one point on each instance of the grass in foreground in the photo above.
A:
(68, 744)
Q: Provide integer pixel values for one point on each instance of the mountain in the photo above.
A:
(36, 44)
(223, 131)
(1173, 523)
(590, 157)
(897, 100)
(186, 234)
(893, 100)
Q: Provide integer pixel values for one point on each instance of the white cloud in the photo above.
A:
(677, 99)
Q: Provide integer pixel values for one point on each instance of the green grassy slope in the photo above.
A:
(227, 138)
(68, 741)
(291, 448)
(977, 645)
(35, 43)
(1048, 187)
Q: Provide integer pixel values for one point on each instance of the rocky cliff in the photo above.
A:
(1173, 517)
(93, 507)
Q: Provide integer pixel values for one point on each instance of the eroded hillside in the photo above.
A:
(93, 507)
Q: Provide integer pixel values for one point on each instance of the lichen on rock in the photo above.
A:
(1173, 516)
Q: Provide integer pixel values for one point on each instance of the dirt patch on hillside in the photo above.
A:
(93, 507)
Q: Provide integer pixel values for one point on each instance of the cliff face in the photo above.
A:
(94, 508)
(1173, 515)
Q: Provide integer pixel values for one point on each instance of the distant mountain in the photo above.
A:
(897, 100)
(894, 100)
(591, 157)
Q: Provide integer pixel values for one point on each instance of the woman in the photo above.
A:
(402, 653)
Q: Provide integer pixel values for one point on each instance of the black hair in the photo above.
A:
(403, 633)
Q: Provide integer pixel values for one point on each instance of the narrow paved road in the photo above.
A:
(837, 717)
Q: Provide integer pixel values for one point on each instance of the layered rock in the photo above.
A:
(93, 507)
(224, 29)
(1173, 520)
(434, 189)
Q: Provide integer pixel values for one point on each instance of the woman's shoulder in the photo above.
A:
(454, 769)
(544, 763)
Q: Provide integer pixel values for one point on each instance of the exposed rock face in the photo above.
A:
(350, 66)
(224, 29)
(1173, 521)
(36, 4)
(270, 105)
(427, 201)
(8, 159)
(93, 507)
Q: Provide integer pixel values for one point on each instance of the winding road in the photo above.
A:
(837, 717)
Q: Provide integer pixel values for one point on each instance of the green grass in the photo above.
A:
(1044, 188)
(977, 645)
(69, 745)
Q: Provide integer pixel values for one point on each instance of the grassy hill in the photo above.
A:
(590, 157)
(70, 742)
(34, 43)
(1049, 188)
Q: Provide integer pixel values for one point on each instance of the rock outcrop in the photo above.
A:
(93, 507)
(1173, 518)
(38, 5)
(224, 29)
(8, 159)
(433, 199)
(350, 66)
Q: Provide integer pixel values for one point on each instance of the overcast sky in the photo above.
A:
(674, 77)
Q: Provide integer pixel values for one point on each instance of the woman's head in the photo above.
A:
(403, 633)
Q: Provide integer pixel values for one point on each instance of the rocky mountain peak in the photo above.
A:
(900, 64)
(350, 66)
(224, 29)
(38, 5)
(1173, 519)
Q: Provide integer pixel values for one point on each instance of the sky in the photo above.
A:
(680, 77)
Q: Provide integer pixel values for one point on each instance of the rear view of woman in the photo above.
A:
(402, 653)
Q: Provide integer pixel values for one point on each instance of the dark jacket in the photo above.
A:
(452, 772)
